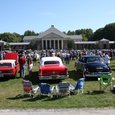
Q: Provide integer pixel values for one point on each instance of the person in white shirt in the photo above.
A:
(107, 59)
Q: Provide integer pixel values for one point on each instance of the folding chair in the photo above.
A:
(62, 89)
(105, 80)
(28, 89)
(78, 87)
(46, 89)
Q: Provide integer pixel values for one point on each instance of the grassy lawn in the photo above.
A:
(91, 97)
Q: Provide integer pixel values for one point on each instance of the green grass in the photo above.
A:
(92, 97)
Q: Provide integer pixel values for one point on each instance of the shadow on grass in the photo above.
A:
(4, 79)
(95, 92)
(45, 98)
(35, 79)
(74, 75)
(37, 97)
(19, 96)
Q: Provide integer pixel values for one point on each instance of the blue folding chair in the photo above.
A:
(46, 89)
(79, 86)
(62, 89)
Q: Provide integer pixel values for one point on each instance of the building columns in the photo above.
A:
(57, 44)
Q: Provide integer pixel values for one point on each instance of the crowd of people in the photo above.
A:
(28, 59)
(68, 55)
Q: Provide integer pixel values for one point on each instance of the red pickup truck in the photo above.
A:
(9, 66)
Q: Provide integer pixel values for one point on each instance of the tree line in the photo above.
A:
(107, 32)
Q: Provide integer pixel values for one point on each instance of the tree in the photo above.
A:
(86, 33)
(98, 34)
(9, 37)
(70, 33)
(29, 33)
(70, 44)
(19, 37)
(33, 44)
(107, 32)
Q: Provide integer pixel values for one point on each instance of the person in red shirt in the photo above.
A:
(22, 61)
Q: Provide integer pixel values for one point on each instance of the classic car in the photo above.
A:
(92, 66)
(8, 68)
(52, 68)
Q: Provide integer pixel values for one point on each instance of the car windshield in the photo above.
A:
(5, 65)
(94, 59)
(51, 62)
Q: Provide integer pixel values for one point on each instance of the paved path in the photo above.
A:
(85, 111)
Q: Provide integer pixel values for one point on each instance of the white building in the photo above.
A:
(52, 38)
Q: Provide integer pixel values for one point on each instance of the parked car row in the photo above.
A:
(52, 68)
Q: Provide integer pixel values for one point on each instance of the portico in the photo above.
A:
(52, 44)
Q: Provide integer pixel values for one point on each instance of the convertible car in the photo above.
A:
(52, 68)
(92, 66)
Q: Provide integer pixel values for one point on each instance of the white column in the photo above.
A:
(54, 44)
(50, 43)
(46, 44)
(61, 44)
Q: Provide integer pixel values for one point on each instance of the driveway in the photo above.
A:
(85, 111)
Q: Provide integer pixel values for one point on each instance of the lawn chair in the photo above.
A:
(105, 80)
(62, 89)
(28, 89)
(46, 89)
(78, 87)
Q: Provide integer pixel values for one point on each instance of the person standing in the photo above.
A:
(107, 59)
(22, 61)
(29, 63)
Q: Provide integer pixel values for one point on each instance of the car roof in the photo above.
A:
(90, 56)
(7, 61)
(50, 58)
(43, 59)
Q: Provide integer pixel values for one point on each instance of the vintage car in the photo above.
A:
(9, 66)
(52, 68)
(92, 66)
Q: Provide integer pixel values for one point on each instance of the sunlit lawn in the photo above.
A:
(91, 97)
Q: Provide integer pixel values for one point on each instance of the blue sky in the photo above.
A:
(38, 15)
